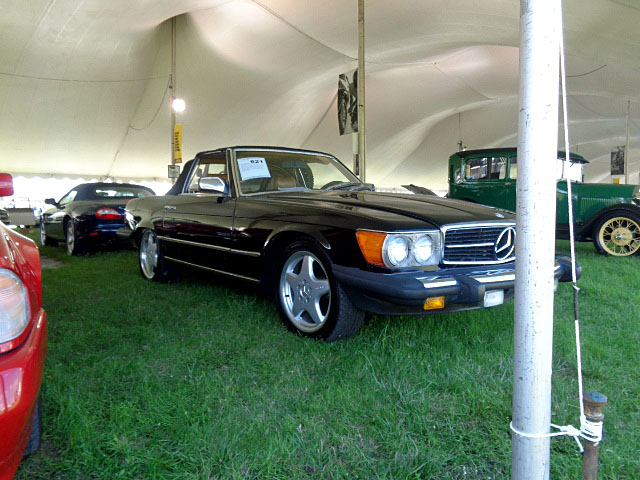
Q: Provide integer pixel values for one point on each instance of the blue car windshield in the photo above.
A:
(119, 191)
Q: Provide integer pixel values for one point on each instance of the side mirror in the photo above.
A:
(50, 201)
(213, 184)
(6, 185)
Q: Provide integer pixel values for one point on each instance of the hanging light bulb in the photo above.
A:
(178, 105)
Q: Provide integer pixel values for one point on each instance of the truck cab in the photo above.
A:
(606, 214)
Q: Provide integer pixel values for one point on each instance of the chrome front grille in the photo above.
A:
(468, 244)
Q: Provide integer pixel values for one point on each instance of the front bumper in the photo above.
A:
(124, 233)
(405, 293)
(20, 377)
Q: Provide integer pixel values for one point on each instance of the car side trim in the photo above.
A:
(244, 252)
(209, 269)
(212, 247)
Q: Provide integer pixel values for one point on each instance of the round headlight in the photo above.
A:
(397, 250)
(423, 249)
(14, 306)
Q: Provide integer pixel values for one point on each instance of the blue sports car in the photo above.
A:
(91, 213)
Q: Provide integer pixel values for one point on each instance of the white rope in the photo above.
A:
(567, 145)
(591, 431)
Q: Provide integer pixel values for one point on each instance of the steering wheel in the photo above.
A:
(331, 184)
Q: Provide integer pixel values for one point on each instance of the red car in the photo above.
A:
(23, 344)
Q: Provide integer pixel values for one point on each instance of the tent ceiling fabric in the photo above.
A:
(83, 84)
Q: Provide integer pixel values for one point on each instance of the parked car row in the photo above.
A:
(298, 223)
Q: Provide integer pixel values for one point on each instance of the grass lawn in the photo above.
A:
(199, 380)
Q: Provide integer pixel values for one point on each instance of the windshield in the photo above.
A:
(261, 171)
(569, 171)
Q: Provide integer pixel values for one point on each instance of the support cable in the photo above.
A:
(589, 430)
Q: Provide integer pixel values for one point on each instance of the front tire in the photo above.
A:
(45, 240)
(35, 437)
(153, 265)
(618, 234)
(309, 299)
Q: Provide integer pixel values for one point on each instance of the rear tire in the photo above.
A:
(153, 265)
(617, 234)
(35, 438)
(74, 246)
(309, 299)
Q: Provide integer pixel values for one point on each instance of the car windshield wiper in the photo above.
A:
(350, 185)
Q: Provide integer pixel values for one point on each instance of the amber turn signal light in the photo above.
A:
(371, 246)
(434, 303)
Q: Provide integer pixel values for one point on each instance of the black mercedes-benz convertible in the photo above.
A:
(325, 244)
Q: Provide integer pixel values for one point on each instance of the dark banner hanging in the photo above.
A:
(617, 161)
(348, 102)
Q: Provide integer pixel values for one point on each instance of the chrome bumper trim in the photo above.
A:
(429, 283)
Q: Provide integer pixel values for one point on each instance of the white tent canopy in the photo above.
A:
(83, 83)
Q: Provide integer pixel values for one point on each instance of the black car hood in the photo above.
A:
(426, 208)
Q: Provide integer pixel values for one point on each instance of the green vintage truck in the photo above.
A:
(609, 215)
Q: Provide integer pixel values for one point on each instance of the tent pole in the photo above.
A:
(361, 102)
(626, 145)
(536, 207)
(172, 88)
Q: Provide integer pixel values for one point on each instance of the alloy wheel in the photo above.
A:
(43, 234)
(305, 292)
(149, 254)
(70, 237)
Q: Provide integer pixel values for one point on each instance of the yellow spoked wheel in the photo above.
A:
(619, 236)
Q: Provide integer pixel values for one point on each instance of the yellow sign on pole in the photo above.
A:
(177, 143)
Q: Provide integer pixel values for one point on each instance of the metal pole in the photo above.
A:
(537, 154)
(172, 87)
(361, 103)
(626, 145)
(593, 403)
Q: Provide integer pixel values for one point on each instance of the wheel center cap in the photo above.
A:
(621, 236)
(304, 290)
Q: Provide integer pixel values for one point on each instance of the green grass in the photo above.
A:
(199, 380)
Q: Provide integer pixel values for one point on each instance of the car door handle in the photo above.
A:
(169, 207)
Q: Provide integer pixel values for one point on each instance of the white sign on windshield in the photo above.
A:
(253, 167)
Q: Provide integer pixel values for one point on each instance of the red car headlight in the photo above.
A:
(14, 306)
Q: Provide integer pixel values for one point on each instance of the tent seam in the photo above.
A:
(282, 19)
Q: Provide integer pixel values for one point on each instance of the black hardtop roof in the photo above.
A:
(260, 147)
(86, 189)
(465, 153)
(110, 184)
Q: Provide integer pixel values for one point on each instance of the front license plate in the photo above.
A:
(493, 298)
